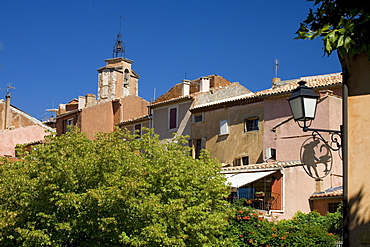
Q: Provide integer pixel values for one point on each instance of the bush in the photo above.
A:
(249, 228)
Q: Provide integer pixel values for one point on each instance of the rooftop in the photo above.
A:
(331, 192)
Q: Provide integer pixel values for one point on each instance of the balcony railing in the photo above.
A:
(263, 201)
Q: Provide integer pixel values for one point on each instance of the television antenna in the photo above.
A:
(7, 90)
(277, 65)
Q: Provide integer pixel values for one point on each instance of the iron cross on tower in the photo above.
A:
(118, 48)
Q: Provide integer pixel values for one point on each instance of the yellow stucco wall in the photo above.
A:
(237, 143)
(358, 149)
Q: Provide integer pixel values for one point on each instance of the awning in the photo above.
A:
(241, 179)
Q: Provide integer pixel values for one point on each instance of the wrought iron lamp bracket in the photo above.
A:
(335, 136)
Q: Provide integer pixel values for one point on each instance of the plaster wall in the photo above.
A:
(131, 107)
(358, 149)
(10, 138)
(297, 190)
(289, 134)
(161, 120)
(321, 205)
(97, 118)
(277, 111)
(18, 119)
(237, 143)
(358, 167)
(288, 138)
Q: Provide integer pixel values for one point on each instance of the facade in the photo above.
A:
(169, 113)
(117, 101)
(18, 127)
(259, 144)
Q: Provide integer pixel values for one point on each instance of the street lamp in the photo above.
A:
(303, 103)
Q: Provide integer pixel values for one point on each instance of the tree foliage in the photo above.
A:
(117, 190)
(342, 24)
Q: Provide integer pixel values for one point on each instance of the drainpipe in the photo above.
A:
(283, 185)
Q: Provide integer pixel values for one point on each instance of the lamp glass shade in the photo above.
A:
(297, 108)
(309, 108)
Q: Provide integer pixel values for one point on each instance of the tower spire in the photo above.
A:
(119, 47)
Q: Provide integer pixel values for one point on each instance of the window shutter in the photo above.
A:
(137, 129)
(173, 118)
(224, 127)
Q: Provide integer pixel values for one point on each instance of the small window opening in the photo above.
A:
(251, 124)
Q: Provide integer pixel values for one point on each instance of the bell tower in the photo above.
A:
(116, 79)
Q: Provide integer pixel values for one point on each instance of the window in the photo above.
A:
(245, 160)
(173, 118)
(198, 147)
(126, 78)
(236, 162)
(67, 123)
(198, 118)
(251, 124)
(224, 127)
(332, 207)
(137, 129)
(270, 153)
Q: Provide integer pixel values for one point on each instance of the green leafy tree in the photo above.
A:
(342, 24)
(117, 190)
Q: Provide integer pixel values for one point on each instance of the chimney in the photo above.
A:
(81, 102)
(324, 93)
(275, 81)
(90, 99)
(319, 185)
(7, 112)
(61, 109)
(204, 84)
(185, 87)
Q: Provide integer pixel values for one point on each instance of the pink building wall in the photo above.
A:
(10, 138)
(284, 134)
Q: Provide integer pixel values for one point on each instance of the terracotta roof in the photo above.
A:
(174, 93)
(277, 165)
(312, 81)
(285, 87)
(331, 192)
(173, 99)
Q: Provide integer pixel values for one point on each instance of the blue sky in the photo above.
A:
(50, 50)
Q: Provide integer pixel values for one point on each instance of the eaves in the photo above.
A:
(68, 113)
(134, 120)
(171, 101)
(214, 106)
